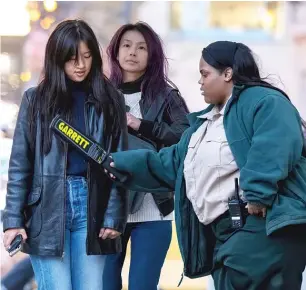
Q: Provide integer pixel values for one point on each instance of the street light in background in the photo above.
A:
(34, 14)
(50, 5)
(25, 76)
(266, 18)
(47, 22)
(14, 19)
(15, 26)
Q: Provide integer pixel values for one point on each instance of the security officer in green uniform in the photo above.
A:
(251, 132)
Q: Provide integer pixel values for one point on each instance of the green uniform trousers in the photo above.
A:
(248, 259)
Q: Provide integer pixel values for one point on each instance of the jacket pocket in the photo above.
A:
(34, 196)
(295, 184)
(220, 153)
(33, 214)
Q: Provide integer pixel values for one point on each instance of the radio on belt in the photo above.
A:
(237, 208)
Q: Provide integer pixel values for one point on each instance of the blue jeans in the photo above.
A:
(149, 246)
(75, 270)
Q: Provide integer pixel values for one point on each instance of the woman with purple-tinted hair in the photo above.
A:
(156, 118)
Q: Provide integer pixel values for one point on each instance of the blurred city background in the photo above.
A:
(275, 30)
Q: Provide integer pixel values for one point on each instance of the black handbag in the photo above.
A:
(135, 197)
(137, 141)
(140, 142)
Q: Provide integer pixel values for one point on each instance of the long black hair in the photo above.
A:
(224, 54)
(53, 94)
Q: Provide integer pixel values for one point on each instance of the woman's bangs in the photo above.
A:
(70, 47)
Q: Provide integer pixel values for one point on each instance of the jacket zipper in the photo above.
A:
(186, 258)
(88, 184)
(141, 102)
(181, 249)
(181, 280)
(65, 193)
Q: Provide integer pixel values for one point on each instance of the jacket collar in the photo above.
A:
(131, 87)
(193, 117)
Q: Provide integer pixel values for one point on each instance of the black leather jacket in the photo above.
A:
(170, 120)
(36, 190)
(164, 122)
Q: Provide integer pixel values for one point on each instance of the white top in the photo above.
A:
(210, 169)
(148, 210)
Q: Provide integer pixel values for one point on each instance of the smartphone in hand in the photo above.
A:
(15, 246)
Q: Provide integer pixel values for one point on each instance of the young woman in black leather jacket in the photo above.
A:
(68, 213)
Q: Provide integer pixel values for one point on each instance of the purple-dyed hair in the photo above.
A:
(155, 79)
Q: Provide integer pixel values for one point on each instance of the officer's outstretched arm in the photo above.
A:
(150, 171)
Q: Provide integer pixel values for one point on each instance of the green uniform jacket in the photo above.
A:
(264, 133)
